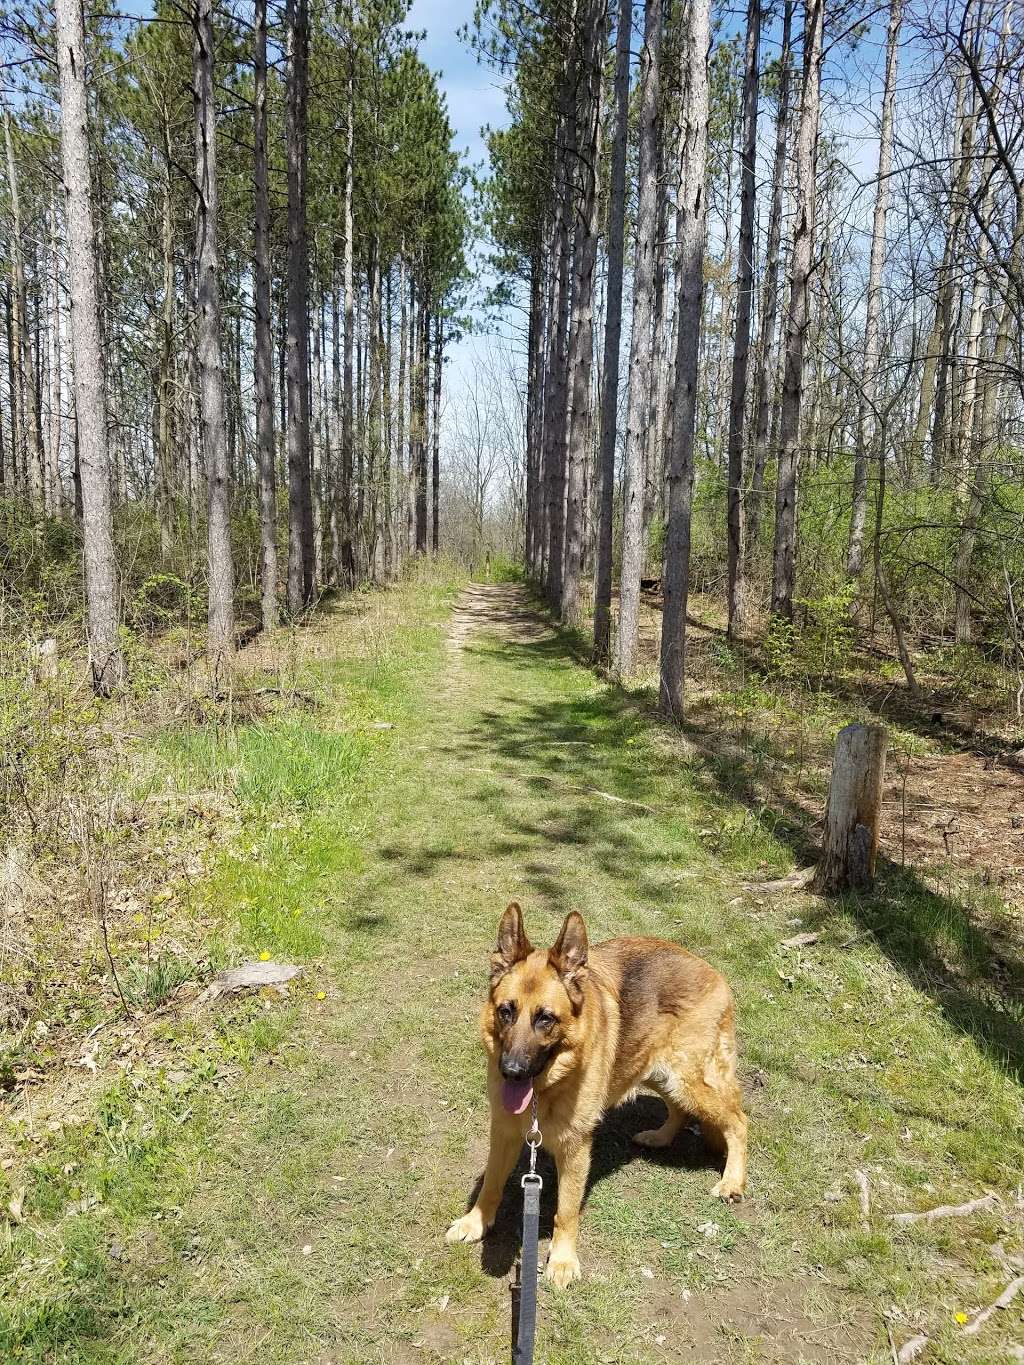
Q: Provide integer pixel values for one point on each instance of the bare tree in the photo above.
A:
(801, 267)
(691, 214)
(101, 590)
(641, 343)
(770, 291)
(264, 349)
(744, 301)
(301, 549)
(221, 613)
(32, 451)
(866, 423)
(581, 332)
(612, 339)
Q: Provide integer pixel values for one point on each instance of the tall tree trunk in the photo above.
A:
(581, 332)
(101, 590)
(165, 377)
(31, 454)
(221, 614)
(301, 550)
(372, 440)
(333, 483)
(640, 343)
(949, 287)
(54, 493)
(691, 215)
(348, 414)
(766, 366)
(420, 403)
(801, 268)
(612, 341)
(264, 341)
(14, 382)
(556, 446)
(316, 437)
(744, 301)
(867, 417)
(979, 418)
(662, 355)
(533, 405)
(402, 472)
(435, 432)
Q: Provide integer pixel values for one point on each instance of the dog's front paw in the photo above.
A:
(729, 1190)
(469, 1228)
(563, 1267)
(654, 1138)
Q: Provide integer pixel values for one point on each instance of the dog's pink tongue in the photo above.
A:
(516, 1095)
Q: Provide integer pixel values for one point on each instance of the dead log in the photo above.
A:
(251, 976)
(850, 845)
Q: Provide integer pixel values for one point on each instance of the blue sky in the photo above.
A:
(474, 96)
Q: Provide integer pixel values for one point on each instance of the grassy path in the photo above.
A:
(297, 1214)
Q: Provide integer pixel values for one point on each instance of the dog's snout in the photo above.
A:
(514, 1068)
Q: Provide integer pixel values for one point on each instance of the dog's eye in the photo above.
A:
(506, 1011)
(543, 1019)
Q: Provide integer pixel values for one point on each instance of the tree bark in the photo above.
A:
(348, 530)
(801, 268)
(301, 550)
(55, 497)
(221, 609)
(101, 588)
(770, 293)
(264, 341)
(32, 452)
(555, 444)
(641, 343)
(534, 414)
(867, 420)
(744, 301)
(612, 341)
(402, 507)
(581, 332)
(850, 845)
(435, 433)
(691, 216)
(420, 393)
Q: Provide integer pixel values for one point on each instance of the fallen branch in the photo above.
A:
(251, 976)
(795, 881)
(988, 1201)
(1004, 1300)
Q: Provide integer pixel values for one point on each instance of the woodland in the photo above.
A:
(398, 515)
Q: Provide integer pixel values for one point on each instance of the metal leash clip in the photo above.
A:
(533, 1141)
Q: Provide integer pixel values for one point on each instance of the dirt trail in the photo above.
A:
(302, 1215)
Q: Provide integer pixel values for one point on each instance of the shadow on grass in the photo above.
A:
(575, 746)
(613, 1149)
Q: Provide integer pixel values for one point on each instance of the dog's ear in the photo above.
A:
(569, 956)
(513, 945)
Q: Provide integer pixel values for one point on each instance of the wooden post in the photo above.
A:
(853, 810)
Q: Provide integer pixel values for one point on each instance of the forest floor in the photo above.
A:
(272, 1178)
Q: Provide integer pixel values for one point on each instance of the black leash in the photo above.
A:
(526, 1319)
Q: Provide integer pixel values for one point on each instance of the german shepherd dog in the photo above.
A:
(580, 1029)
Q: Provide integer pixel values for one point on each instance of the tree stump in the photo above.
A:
(853, 810)
(43, 662)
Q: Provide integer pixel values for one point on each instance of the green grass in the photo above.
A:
(172, 1223)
